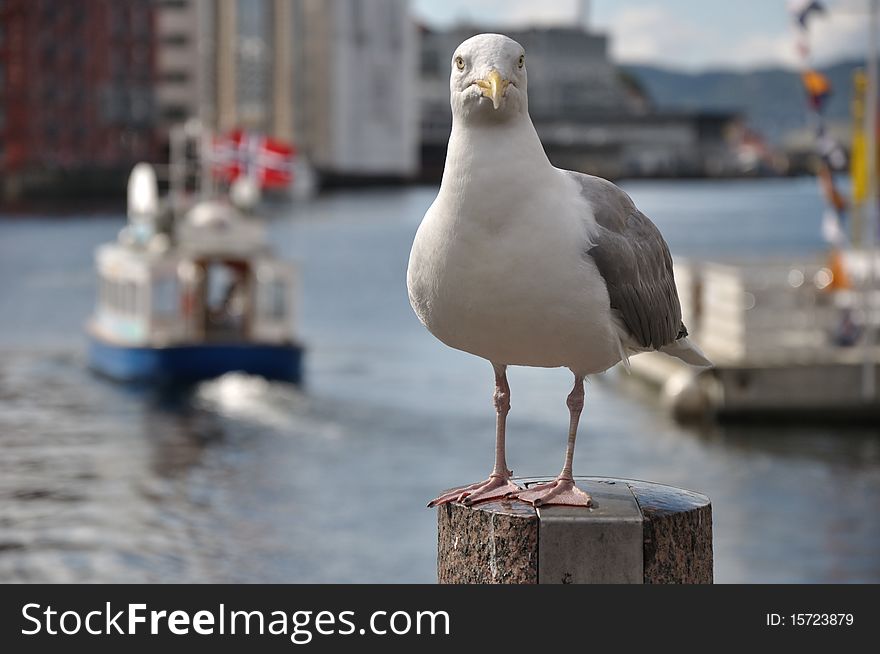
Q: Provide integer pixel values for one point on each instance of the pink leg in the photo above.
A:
(562, 491)
(498, 484)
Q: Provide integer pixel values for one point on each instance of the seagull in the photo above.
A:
(525, 264)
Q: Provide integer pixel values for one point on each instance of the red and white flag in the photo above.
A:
(240, 153)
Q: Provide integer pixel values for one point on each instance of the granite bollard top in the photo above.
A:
(636, 532)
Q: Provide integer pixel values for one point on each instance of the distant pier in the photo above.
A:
(785, 343)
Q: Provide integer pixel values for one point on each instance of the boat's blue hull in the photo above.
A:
(193, 363)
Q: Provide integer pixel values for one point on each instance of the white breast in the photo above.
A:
(507, 278)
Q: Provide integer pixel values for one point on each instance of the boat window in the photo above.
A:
(275, 306)
(139, 300)
(165, 296)
(130, 306)
(118, 298)
(114, 296)
(226, 300)
(118, 305)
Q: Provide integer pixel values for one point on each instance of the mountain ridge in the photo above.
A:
(771, 98)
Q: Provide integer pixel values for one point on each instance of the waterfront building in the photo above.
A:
(76, 91)
(180, 80)
(590, 116)
(359, 114)
(330, 76)
(87, 89)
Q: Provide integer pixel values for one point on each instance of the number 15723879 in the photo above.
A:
(810, 620)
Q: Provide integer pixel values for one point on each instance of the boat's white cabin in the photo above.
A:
(212, 280)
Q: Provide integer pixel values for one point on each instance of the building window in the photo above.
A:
(50, 133)
(174, 112)
(175, 77)
(175, 40)
(430, 63)
(117, 19)
(140, 21)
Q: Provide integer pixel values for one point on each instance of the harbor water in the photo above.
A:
(241, 480)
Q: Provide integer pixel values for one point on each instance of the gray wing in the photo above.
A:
(634, 260)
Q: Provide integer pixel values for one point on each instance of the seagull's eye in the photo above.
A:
(459, 63)
(522, 61)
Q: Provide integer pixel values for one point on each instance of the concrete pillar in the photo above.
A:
(282, 71)
(226, 48)
(636, 532)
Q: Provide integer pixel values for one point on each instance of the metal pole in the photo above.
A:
(870, 238)
(176, 167)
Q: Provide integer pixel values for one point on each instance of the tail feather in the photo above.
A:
(687, 351)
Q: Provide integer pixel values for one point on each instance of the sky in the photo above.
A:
(688, 34)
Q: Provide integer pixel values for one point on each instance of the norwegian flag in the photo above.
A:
(247, 154)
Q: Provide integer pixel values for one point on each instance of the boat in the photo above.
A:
(189, 295)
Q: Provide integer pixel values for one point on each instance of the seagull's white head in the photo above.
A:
(488, 80)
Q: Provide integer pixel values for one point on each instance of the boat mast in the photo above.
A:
(869, 389)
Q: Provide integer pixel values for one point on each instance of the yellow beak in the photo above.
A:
(494, 87)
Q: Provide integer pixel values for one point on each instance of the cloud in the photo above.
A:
(655, 35)
(560, 12)
(650, 31)
(766, 50)
(498, 13)
(839, 34)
